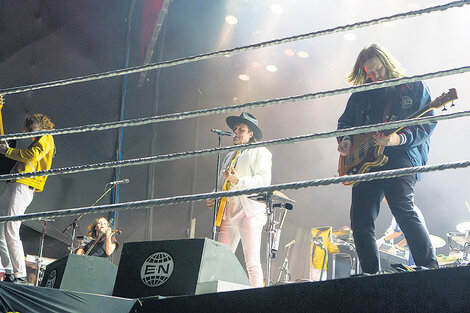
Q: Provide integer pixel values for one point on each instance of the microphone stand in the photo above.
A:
(318, 242)
(216, 202)
(270, 232)
(40, 272)
(285, 268)
(74, 224)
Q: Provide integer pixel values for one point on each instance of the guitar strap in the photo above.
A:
(388, 108)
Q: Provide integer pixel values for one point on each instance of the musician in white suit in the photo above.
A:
(243, 219)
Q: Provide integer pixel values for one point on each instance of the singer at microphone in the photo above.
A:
(223, 132)
(119, 182)
(244, 168)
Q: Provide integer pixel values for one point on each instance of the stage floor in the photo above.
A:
(440, 290)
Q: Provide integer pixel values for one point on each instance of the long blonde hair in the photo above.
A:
(358, 75)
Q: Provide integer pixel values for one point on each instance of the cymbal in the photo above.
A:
(462, 227)
(437, 242)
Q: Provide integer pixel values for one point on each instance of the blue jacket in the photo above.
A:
(404, 100)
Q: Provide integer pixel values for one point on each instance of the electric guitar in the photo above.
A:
(6, 164)
(366, 154)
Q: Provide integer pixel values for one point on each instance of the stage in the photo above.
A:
(30, 299)
(441, 290)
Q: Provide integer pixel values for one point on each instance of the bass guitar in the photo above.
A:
(366, 154)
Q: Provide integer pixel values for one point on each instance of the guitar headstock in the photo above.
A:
(446, 97)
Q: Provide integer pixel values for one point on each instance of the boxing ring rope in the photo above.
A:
(213, 195)
(189, 154)
(224, 109)
(210, 55)
(238, 107)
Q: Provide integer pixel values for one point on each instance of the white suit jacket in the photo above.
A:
(253, 167)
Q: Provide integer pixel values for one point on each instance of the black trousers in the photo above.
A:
(399, 192)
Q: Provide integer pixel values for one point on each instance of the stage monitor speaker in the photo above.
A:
(174, 267)
(81, 273)
(339, 266)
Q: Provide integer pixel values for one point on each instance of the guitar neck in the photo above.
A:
(2, 100)
(418, 113)
(1, 124)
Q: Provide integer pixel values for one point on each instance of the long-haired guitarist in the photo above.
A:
(406, 148)
(102, 243)
(19, 194)
(243, 218)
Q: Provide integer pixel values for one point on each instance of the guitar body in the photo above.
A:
(6, 164)
(220, 211)
(364, 155)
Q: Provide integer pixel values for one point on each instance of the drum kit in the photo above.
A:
(459, 246)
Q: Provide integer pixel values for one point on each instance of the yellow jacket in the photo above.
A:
(37, 157)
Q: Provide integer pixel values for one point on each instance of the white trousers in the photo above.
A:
(249, 230)
(14, 201)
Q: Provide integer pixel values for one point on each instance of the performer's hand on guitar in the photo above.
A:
(231, 176)
(3, 146)
(344, 147)
(383, 140)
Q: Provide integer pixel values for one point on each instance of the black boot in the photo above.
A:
(9, 278)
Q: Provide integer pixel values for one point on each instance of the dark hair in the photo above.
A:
(91, 228)
(41, 120)
(252, 139)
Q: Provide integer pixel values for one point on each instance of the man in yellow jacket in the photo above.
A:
(19, 194)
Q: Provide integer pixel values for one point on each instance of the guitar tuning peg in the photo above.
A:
(444, 109)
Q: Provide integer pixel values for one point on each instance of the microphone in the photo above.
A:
(222, 132)
(290, 244)
(118, 182)
(286, 206)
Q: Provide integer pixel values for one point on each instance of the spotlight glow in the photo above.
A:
(289, 52)
(276, 9)
(231, 20)
(303, 54)
(256, 64)
(271, 68)
(244, 77)
(350, 37)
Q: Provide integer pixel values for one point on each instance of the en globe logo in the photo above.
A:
(51, 279)
(156, 269)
